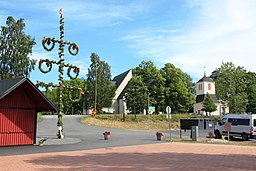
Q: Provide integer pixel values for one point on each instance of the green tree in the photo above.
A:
(15, 48)
(179, 93)
(136, 95)
(251, 92)
(99, 83)
(231, 83)
(154, 81)
(209, 105)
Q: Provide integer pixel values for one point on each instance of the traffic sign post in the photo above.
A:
(227, 127)
(168, 114)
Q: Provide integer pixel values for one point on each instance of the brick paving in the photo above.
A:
(162, 156)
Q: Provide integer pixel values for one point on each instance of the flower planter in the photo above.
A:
(106, 137)
(159, 137)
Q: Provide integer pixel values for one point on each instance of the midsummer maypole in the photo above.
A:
(48, 44)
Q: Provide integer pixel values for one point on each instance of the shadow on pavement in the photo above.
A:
(146, 161)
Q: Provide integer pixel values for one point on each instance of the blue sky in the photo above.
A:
(191, 34)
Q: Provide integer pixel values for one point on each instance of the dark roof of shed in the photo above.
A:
(205, 79)
(200, 98)
(9, 85)
(119, 78)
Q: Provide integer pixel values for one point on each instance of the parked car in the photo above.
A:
(243, 125)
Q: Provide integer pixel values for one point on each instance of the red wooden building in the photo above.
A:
(20, 100)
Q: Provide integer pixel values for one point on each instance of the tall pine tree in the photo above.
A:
(99, 86)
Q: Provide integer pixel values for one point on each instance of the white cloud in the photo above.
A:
(96, 13)
(37, 55)
(221, 31)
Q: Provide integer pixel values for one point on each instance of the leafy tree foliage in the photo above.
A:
(209, 105)
(231, 83)
(168, 86)
(154, 81)
(136, 95)
(251, 92)
(99, 76)
(15, 46)
(179, 89)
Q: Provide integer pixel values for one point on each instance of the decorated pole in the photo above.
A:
(48, 44)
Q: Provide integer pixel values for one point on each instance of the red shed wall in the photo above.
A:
(17, 99)
(17, 119)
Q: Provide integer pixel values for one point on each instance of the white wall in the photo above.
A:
(119, 105)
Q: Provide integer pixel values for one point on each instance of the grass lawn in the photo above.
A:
(137, 122)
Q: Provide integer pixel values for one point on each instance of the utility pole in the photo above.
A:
(148, 113)
(95, 91)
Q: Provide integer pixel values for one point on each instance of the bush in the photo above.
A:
(39, 117)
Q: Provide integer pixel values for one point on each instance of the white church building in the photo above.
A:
(203, 86)
(118, 102)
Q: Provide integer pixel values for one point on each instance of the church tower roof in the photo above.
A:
(205, 79)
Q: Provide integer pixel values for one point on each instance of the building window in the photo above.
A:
(209, 86)
(200, 87)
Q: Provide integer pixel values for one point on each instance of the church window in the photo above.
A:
(200, 87)
(209, 86)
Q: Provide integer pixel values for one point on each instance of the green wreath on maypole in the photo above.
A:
(77, 99)
(75, 69)
(73, 49)
(48, 64)
(48, 43)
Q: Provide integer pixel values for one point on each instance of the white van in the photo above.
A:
(243, 125)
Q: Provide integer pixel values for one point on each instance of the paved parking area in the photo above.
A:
(85, 137)
(84, 149)
(162, 156)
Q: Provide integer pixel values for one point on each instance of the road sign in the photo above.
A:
(151, 109)
(168, 110)
(227, 126)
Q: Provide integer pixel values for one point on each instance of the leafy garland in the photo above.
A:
(46, 85)
(73, 47)
(76, 70)
(48, 64)
(80, 94)
(48, 41)
(74, 100)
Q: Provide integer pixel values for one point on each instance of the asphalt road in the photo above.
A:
(83, 137)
